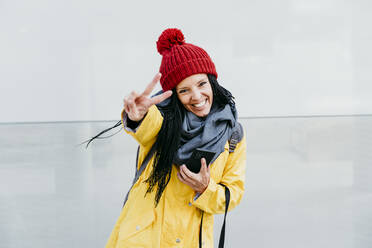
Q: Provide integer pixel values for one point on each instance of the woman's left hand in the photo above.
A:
(197, 181)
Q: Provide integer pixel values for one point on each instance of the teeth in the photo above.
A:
(200, 104)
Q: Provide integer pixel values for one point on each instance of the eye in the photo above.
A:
(202, 83)
(182, 91)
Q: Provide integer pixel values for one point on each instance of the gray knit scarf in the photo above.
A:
(208, 133)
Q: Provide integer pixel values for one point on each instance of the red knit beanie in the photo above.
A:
(180, 59)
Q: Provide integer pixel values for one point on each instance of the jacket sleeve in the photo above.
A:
(212, 200)
(147, 130)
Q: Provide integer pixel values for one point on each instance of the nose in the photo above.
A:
(196, 95)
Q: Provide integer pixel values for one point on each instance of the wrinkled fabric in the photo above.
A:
(209, 133)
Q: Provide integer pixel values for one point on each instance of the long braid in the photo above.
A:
(166, 146)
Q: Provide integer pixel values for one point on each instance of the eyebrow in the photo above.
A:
(204, 79)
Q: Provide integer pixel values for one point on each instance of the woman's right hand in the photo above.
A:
(136, 105)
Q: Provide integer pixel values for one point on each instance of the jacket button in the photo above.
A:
(138, 227)
(178, 240)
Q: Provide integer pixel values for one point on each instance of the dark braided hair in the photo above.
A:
(166, 145)
(169, 136)
(221, 96)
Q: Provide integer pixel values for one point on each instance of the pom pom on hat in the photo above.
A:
(169, 38)
(180, 59)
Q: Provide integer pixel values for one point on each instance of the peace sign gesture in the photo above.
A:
(136, 105)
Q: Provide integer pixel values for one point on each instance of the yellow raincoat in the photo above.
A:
(175, 222)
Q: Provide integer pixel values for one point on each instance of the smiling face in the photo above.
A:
(196, 95)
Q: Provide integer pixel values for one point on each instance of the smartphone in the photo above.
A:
(194, 163)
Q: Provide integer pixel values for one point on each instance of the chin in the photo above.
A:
(202, 113)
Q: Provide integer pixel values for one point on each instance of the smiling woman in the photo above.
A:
(195, 93)
(169, 205)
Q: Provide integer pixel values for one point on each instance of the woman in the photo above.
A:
(165, 205)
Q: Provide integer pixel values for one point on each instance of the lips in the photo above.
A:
(199, 105)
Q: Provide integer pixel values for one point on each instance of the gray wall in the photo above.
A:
(308, 184)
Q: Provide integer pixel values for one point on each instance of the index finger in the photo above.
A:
(150, 87)
(187, 172)
(159, 98)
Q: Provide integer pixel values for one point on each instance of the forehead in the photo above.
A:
(192, 80)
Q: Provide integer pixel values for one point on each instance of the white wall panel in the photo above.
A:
(76, 60)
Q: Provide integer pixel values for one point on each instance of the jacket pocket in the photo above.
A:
(136, 231)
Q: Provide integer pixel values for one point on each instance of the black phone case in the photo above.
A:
(194, 163)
